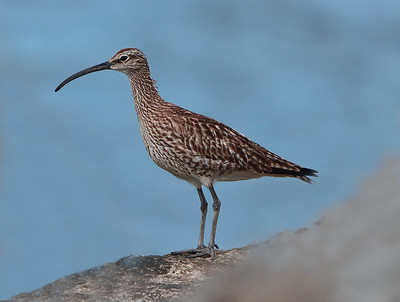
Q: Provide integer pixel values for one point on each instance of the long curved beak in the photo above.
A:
(102, 66)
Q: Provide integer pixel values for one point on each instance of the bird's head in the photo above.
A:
(127, 60)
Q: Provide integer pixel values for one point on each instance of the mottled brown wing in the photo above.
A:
(221, 147)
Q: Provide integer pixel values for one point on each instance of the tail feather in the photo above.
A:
(308, 172)
(301, 173)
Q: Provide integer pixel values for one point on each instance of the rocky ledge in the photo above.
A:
(351, 255)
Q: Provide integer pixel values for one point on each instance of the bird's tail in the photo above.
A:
(300, 173)
(304, 172)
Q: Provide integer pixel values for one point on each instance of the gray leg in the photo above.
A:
(203, 208)
(216, 206)
(201, 250)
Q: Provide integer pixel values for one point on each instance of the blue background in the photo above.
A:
(316, 82)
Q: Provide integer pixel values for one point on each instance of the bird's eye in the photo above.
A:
(123, 58)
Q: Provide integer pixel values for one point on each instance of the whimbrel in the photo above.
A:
(191, 146)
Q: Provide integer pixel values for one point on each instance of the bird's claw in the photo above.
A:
(199, 252)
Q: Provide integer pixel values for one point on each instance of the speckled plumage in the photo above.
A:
(194, 147)
(191, 146)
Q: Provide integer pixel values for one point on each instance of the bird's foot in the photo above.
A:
(201, 251)
(192, 253)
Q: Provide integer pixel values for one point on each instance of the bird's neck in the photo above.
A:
(148, 103)
(145, 93)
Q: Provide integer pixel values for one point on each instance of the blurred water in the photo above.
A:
(315, 82)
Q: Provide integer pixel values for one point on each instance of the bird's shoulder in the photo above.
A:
(188, 123)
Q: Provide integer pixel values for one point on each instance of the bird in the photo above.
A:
(191, 146)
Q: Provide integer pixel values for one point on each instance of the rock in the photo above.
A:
(136, 278)
(352, 254)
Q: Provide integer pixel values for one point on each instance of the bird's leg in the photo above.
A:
(216, 206)
(201, 249)
(203, 208)
(210, 250)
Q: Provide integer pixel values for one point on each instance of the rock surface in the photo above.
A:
(352, 254)
(136, 278)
